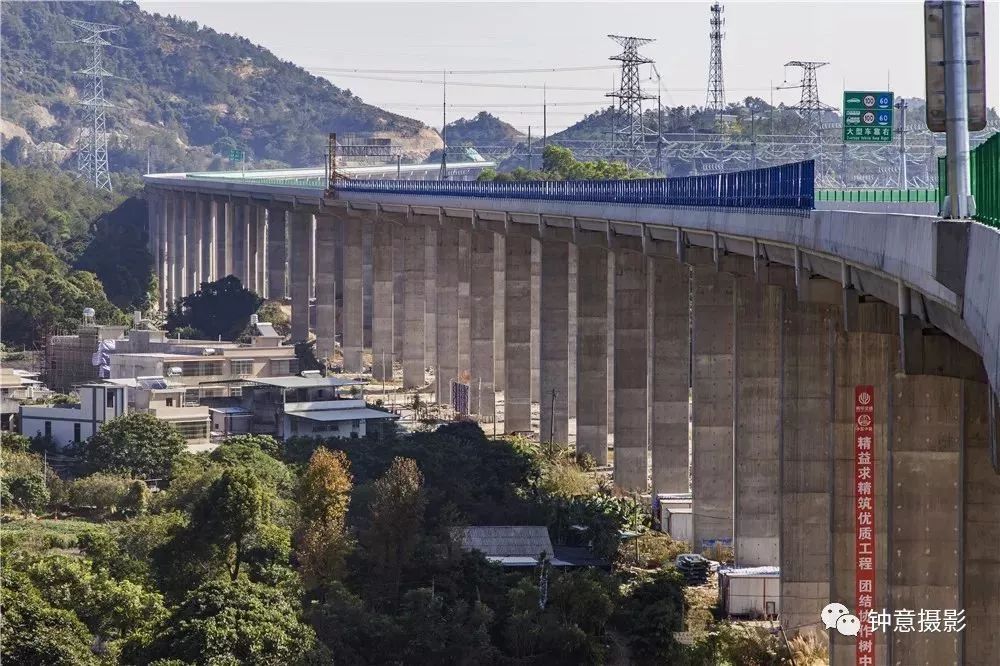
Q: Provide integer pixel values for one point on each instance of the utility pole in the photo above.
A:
(444, 125)
(716, 98)
(659, 121)
(545, 116)
(902, 105)
(529, 147)
(957, 110)
(92, 152)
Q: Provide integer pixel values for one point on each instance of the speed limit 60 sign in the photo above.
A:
(868, 116)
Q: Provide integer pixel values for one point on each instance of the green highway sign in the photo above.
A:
(868, 116)
(235, 155)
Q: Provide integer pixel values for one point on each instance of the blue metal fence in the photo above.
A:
(785, 187)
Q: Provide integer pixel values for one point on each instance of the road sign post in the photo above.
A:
(868, 116)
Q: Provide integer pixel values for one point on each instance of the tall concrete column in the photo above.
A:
(757, 368)
(170, 248)
(446, 336)
(276, 254)
(312, 259)
(631, 395)
(981, 539)
(499, 287)
(554, 342)
(180, 245)
(367, 277)
(240, 240)
(224, 238)
(712, 407)
(326, 228)
(592, 353)
(192, 244)
(208, 239)
(353, 321)
(536, 322)
(414, 262)
(382, 298)
(806, 443)
(482, 395)
(464, 304)
(866, 357)
(162, 249)
(260, 254)
(251, 269)
(671, 342)
(300, 223)
(926, 501)
(518, 303)
(398, 283)
(571, 346)
(431, 295)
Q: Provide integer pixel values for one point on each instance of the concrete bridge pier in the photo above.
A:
(670, 381)
(712, 406)
(398, 242)
(208, 240)
(276, 254)
(382, 296)
(482, 395)
(192, 232)
(223, 235)
(757, 358)
(367, 278)
(430, 294)
(554, 339)
(414, 265)
(353, 319)
(867, 355)
(259, 222)
(326, 324)
(631, 395)
(499, 320)
(519, 302)
(238, 240)
(170, 247)
(592, 349)
(463, 267)
(446, 333)
(300, 235)
(179, 212)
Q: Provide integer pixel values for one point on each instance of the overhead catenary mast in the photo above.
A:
(444, 125)
(92, 148)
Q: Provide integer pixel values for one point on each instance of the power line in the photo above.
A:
(513, 86)
(533, 70)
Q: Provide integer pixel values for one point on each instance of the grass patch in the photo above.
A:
(42, 534)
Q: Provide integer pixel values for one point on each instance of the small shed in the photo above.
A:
(750, 591)
(507, 545)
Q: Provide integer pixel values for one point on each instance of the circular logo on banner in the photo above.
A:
(869, 100)
(864, 420)
(865, 398)
(869, 118)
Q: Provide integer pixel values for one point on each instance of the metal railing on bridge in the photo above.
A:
(785, 187)
(985, 172)
(872, 195)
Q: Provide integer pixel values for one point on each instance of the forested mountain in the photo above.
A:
(188, 93)
(482, 129)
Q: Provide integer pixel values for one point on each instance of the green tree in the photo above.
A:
(397, 514)
(265, 443)
(28, 492)
(137, 444)
(270, 311)
(220, 308)
(233, 512)
(649, 614)
(35, 632)
(105, 492)
(14, 442)
(126, 272)
(235, 622)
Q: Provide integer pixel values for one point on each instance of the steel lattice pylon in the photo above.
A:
(629, 136)
(92, 151)
(716, 98)
(809, 102)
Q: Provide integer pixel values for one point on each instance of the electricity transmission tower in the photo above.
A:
(92, 151)
(809, 102)
(716, 99)
(628, 136)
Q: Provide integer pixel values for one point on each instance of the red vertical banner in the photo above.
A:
(864, 520)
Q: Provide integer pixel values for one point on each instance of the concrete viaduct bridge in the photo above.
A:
(716, 326)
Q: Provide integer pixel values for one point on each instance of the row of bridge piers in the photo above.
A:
(729, 377)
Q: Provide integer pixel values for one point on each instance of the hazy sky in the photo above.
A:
(868, 44)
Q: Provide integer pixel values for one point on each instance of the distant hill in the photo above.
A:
(483, 129)
(188, 92)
